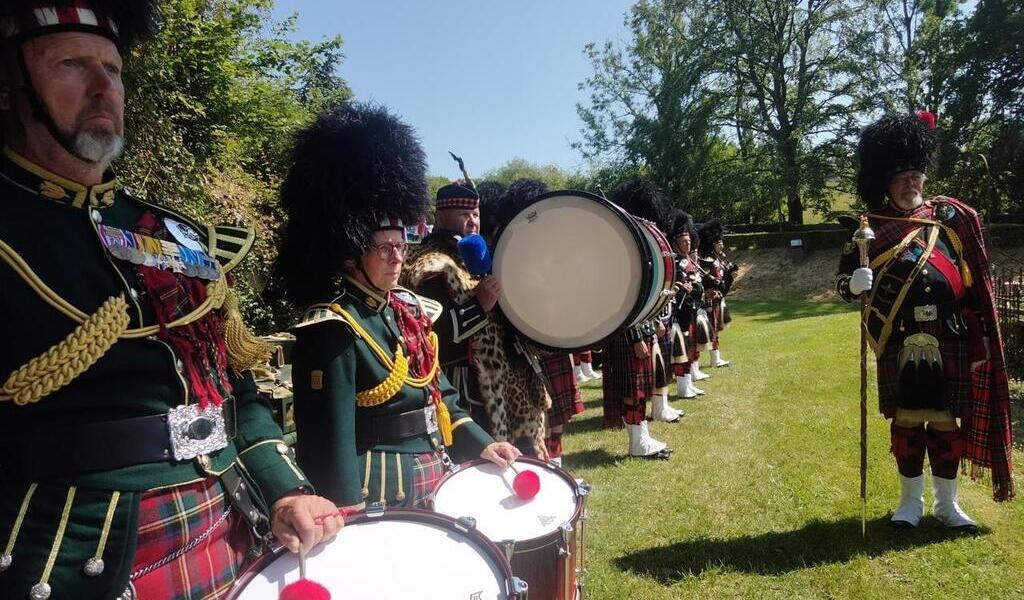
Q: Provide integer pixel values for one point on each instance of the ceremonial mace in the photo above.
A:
(863, 238)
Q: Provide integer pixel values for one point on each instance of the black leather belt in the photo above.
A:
(90, 447)
(391, 429)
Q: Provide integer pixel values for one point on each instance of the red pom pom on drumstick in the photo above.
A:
(526, 484)
(304, 589)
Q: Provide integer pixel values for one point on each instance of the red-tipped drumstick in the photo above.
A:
(525, 484)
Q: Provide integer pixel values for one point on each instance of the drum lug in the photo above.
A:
(519, 588)
(375, 509)
(468, 522)
(582, 488)
(510, 548)
(566, 529)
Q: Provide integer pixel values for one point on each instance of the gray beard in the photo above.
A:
(97, 149)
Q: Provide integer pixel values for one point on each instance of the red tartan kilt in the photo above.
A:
(956, 370)
(565, 399)
(715, 317)
(624, 376)
(171, 518)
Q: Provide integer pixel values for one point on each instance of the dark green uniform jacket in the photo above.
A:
(51, 224)
(332, 364)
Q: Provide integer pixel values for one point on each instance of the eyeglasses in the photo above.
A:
(910, 177)
(385, 249)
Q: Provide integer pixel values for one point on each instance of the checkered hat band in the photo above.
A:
(78, 16)
(458, 203)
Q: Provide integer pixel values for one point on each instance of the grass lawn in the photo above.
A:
(760, 499)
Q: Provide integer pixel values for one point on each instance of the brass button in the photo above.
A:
(924, 271)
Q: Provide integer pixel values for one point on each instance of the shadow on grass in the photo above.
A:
(785, 310)
(586, 459)
(818, 543)
(586, 424)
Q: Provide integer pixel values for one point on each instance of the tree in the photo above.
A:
(212, 103)
(519, 168)
(795, 68)
(652, 103)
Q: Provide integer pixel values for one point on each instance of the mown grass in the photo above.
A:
(760, 499)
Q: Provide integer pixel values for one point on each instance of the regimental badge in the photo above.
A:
(944, 212)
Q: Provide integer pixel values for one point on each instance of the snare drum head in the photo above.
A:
(570, 271)
(484, 492)
(388, 559)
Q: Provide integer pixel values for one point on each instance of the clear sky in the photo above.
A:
(491, 80)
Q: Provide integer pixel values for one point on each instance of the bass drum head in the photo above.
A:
(571, 270)
(483, 491)
(395, 557)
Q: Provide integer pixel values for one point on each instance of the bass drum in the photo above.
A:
(394, 555)
(575, 270)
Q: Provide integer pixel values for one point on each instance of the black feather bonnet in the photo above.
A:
(355, 167)
(893, 144)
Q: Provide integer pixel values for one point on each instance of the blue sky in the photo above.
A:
(489, 80)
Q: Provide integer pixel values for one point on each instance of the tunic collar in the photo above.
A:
(370, 297)
(33, 178)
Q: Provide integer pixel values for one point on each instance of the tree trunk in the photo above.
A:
(791, 178)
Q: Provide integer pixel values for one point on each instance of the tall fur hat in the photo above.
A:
(356, 169)
(490, 192)
(682, 223)
(641, 198)
(126, 22)
(518, 194)
(710, 232)
(893, 144)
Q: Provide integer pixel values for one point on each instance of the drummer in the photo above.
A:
(374, 416)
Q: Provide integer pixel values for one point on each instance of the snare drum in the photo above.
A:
(575, 270)
(543, 537)
(394, 555)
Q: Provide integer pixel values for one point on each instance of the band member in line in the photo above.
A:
(136, 457)
(931, 322)
(718, 278)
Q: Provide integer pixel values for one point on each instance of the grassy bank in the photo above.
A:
(760, 499)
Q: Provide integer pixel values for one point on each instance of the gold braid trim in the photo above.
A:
(54, 369)
(245, 352)
(385, 390)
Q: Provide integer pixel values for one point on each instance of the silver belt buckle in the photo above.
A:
(928, 312)
(194, 432)
(430, 416)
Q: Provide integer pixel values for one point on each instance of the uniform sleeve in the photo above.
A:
(261, 449)
(468, 438)
(848, 262)
(323, 375)
(458, 322)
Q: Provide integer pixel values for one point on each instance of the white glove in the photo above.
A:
(861, 280)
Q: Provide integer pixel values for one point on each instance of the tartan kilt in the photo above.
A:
(956, 370)
(715, 317)
(427, 471)
(171, 518)
(624, 376)
(565, 392)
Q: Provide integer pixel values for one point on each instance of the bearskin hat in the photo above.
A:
(490, 195)
(641, 198)
(518, 194)
(682, 223)
(126, 22)
(710, 233)
(354, 167)
(890, 145)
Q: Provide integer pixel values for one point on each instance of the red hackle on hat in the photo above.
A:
(927, 117)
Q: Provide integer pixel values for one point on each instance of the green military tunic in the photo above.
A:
(50, 528)
(332, 363)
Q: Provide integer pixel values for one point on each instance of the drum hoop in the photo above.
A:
(540, 541)
(665, 245)
(645, 275)
(489, 548)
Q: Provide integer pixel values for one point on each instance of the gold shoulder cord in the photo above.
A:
(93, 337)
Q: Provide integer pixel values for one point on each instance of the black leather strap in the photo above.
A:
(390, 429)
(90, 447)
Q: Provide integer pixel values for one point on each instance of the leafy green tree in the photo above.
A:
(519, 168)
(212, 103)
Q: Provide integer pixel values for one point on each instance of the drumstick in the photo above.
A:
(302, 561)
(525, 484)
